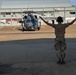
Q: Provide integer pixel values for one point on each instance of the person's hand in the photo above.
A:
(40, 17)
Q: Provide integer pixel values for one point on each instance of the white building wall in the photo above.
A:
(50, 15)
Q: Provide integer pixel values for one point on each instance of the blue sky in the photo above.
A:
(73, 2)
(35, 3)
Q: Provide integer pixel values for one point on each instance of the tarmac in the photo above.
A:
(33, 53)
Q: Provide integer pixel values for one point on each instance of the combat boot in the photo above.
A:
(62, 62)
(59, 61)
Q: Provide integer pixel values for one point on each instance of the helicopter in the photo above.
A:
(30, 22)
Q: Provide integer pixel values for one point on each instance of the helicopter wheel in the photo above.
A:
(38, 28)
(23, 29)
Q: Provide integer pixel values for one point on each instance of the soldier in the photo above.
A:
(60, 43)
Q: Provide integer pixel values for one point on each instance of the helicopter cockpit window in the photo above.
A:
(28, 21)
(25, 17)
(35, 16)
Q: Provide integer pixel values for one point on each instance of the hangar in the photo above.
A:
(11, 11)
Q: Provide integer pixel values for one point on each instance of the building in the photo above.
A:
(11, 11)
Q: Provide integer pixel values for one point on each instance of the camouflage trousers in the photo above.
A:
(60, 46)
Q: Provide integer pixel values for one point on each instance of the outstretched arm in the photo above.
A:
(72, 22)
(46, 22)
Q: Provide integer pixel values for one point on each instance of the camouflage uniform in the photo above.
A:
(60, 46)
(60, 43)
